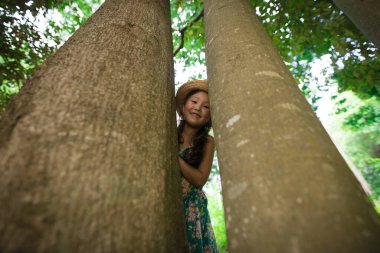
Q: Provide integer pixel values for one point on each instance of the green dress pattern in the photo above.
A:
(199, 232)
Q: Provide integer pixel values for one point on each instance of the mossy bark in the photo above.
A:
(88, 148)
(285, 186)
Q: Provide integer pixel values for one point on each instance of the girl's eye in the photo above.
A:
(194, 101)
(206, 106)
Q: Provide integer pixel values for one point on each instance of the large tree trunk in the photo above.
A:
(88, 148)
(285, 186)
(365, 14)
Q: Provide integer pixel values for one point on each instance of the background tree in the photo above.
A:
(365, 15)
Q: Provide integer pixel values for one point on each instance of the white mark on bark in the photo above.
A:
(284, 137)
(246, 220)
(89, 138)
(366, 233)
(359, 220)
(289, 107)
(269, 73)
(233, 120)
(241, 143)
(333, 196)
(236, 30)
(228, 221)
(234, 244)
(236, 190)
(250, 46)
(299, 200)
(27, 198)
(211, 40)
(236, 230)
(206, 14)
(295, 245)
(252, 155)
(328, 167)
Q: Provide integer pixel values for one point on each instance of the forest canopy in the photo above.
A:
(301, 30)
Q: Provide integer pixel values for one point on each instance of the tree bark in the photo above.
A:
(365, 14)
(285, 186)
(89, 149)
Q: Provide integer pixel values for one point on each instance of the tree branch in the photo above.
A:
(183, 31)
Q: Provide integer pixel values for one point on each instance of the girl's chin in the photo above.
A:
(194, 124)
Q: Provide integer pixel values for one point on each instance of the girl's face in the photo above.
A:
(196, 110)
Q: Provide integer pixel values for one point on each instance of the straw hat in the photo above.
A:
(185, 89)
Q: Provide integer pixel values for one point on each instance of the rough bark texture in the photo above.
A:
(285, 186)
(88, 148)
(365, 14)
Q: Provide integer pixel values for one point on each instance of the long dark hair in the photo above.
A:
(195, 154)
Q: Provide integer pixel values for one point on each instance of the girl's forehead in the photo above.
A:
(200, 95)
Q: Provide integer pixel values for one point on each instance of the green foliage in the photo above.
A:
(360, 76)
(366, 115)
(24, 46)
(302, 31)
(215, 207)
(357, 130)
(21, 46)
(358, 114)
(182, 12)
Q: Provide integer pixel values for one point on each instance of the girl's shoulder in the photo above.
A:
(210, 139)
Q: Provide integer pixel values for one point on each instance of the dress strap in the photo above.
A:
(185, 148)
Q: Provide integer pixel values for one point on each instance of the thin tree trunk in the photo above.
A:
(285, 186)
(88, 148)
(365, 14)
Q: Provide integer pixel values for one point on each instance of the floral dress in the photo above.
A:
(199, 233)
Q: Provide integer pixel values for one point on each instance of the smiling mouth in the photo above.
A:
(195, 114)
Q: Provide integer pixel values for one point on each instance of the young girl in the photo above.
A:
(195, 161)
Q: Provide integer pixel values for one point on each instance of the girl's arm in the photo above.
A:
(198, 176)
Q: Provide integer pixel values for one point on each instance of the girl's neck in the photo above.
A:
(188, 134)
